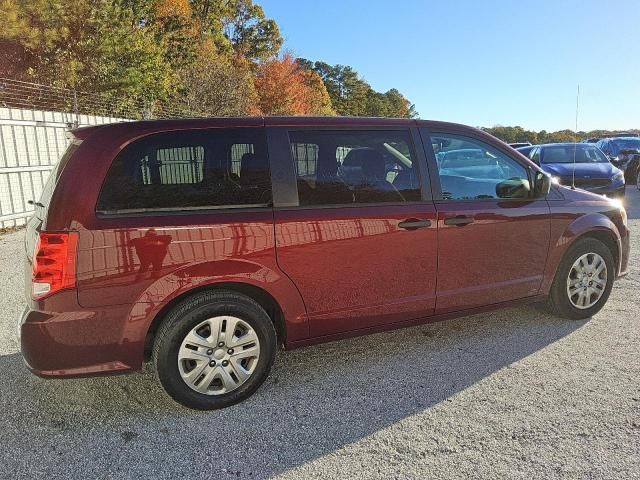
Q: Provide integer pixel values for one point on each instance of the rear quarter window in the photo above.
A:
(218, 168)
(54, 175)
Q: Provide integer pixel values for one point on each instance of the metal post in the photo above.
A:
(75, 109)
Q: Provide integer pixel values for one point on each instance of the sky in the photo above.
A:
(483, 63)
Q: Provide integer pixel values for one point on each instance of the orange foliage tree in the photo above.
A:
(284, 88)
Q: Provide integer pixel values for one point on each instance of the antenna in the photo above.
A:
(575, 142)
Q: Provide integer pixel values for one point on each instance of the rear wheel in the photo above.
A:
(214, 349)
(584, 280)
(638, 178)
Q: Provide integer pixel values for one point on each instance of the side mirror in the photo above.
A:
(513, 188)
(542, 185)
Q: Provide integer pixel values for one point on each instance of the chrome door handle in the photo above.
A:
(414, 224)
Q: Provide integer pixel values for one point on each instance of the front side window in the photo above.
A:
(345, 167)
(471, 170)
(190, 169)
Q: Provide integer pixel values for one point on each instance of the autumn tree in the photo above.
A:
(88, 45)
(318, 99)
(285, 88)
(200, 57)
(175, 29)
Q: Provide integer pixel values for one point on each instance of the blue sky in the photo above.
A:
(483, 63)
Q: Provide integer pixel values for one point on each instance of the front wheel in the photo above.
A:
(214, 350)
(583, 281)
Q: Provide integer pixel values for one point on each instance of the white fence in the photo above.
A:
(31, 142)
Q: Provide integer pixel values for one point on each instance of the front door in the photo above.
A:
(493, 236)
(361, 243)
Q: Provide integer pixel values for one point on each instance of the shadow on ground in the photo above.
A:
(317, 400)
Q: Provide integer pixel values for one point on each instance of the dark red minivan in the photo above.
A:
(206, 244)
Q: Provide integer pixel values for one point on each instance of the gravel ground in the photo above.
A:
(514, 393)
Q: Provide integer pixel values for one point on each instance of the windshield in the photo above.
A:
(565, 153)
(625, 144)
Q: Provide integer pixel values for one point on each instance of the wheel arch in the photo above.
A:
(609, 239)
(597, 226)
(258, 294)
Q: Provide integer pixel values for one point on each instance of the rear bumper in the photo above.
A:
(77, 343)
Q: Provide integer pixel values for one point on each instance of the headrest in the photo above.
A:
(250, 161)
(370, 161)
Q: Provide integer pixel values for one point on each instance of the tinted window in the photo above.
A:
(582, 153)
(526, 151)
(603, 145)
(535, 155)
(305, 157)
(619, 145)
(186, 170)
(471, 169)
(338, 167)
(54, 175)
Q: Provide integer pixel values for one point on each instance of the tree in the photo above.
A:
(88, 45)
(352, 95)
(518, 134)
(128, 61)
(240, 26)
(284, 88)
(216, 85)
(347, 91)
(174, 27)
(389, 104)
(318, 100)
(210, 57)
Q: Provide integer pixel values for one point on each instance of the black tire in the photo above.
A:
(186, 316)
(558, 301)
(638, 179)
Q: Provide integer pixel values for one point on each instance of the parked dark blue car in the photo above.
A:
(593, 170)
(624, 153)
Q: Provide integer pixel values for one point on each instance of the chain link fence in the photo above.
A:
(34, 121)
(18, 94)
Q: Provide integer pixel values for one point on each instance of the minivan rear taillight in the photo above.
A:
(54, 263)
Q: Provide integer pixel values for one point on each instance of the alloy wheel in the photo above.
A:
(218, 355)
(587, 280)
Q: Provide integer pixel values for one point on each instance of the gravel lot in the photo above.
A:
(515, 393)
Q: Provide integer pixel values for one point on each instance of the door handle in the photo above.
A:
(460, 220)
(414, 224)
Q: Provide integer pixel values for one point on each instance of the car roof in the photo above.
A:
(567, 144)
(284, 121)
(123, 132)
